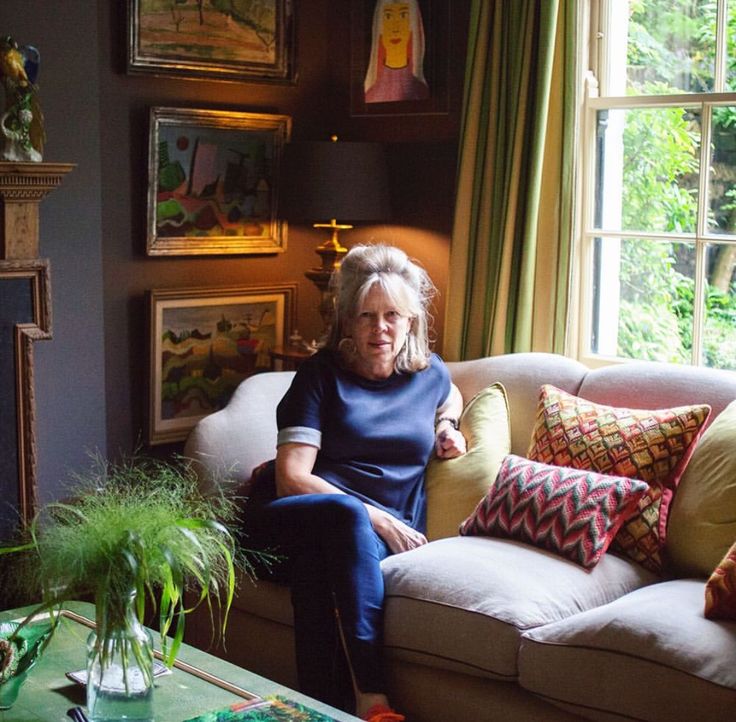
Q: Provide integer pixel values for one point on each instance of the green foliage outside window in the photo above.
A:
(660, 180)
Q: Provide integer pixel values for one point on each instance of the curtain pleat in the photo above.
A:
(511, 184)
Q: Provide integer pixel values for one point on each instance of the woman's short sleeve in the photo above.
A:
(299, 413)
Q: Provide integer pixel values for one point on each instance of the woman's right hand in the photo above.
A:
(399, 537)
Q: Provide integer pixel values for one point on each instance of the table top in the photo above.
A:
(199, 683)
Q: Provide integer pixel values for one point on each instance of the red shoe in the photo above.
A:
(381, 713)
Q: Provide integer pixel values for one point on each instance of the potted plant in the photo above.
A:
(136, 533)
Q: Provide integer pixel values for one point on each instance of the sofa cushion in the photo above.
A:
(653, 446)
(702, 522)
(270, 600)
(454, 486)
(654, 642)
(462, 603)
(662, 385)
(567, 511)
(720, 590)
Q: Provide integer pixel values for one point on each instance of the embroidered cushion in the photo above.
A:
(454, 486)
(720, 590)
(568, 511)
(653, 446)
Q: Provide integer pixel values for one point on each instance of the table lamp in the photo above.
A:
(329, 181)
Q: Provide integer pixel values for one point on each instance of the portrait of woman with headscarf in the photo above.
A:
(396, 66)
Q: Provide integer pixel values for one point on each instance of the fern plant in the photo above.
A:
(137, 527)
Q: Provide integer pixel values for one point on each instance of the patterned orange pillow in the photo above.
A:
(653, 446)
(720, 590)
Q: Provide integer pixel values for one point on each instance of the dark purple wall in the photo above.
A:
(91, 378)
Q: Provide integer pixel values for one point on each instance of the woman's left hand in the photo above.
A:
(449, 443)
(399, 537)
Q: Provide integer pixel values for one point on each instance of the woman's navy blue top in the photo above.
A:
(374, 438)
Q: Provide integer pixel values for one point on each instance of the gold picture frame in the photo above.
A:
(213, 180)
(237, 40)
(203, 343)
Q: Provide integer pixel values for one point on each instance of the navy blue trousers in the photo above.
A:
(330, 556)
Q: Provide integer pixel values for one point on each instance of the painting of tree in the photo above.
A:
(226, 39)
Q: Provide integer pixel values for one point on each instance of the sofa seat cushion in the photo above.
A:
(648, 655)
(462, 603)
(269, 600)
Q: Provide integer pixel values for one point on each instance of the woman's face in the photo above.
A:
(395, 31)
(379, 331)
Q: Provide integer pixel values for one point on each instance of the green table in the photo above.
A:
(199, 683)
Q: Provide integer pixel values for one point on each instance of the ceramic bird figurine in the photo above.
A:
(21, 123)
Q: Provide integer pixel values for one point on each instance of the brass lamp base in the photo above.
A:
(331, 253)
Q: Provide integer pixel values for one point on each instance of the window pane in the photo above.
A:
(722, 177)
(731, 47)
(671, 45)
(647, 170)
(643, 299)
(719, 337)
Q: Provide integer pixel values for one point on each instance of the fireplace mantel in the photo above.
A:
(25, 317)
(22, 187)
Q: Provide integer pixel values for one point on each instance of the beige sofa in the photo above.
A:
(480, 628)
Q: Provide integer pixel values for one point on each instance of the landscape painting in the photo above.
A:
(204, 342)
(213, 182)
(223, 39)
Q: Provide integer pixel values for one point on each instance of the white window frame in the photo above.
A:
(593, 39)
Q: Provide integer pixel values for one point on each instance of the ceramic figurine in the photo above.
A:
(21, 123)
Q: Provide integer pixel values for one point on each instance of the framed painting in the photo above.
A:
(242, 40)
(213, 180)
(203, 343)
(399, 57)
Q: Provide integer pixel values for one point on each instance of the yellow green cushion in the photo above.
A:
(702, 523)
(455, 486)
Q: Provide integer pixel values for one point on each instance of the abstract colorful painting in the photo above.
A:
(213, 182)
(204, 342)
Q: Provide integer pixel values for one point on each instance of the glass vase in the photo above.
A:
(119, 665)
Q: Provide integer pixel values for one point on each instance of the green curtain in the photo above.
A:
(509, 260)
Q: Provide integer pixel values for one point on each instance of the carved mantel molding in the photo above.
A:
(27, 314)
(22, 187)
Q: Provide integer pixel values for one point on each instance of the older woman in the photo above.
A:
(356, 429)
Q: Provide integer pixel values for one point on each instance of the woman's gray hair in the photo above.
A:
(406, 284)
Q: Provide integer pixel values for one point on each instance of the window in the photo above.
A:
(658, 241)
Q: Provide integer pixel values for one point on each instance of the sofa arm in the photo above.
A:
(230, 443)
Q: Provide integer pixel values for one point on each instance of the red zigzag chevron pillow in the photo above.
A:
(571, 512)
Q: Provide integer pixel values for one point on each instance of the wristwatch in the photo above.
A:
(454, 422)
